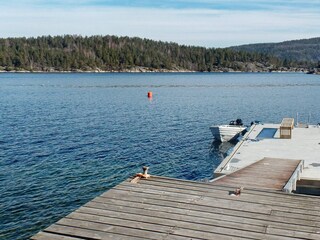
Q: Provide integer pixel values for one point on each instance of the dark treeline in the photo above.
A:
(304, 50)
(111, 53)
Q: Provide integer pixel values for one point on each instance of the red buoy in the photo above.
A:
(149, 94)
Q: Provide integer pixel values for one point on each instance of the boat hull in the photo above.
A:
(226, 133)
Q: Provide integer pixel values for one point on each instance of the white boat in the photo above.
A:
(225, 133)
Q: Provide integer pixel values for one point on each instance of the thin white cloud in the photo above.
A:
(166, 3)
(211, 28)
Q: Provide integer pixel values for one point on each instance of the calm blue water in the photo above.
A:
(66, 138)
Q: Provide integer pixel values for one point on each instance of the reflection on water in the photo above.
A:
(221, 149)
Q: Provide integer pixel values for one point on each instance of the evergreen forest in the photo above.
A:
(112, 53)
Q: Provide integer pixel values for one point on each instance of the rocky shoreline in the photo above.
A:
(245, 68)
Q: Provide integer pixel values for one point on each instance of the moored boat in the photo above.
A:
(225, 133)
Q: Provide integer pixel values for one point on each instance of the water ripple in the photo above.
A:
(66, 138)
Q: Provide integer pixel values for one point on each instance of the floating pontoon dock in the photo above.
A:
(164, 208)
(299, 143)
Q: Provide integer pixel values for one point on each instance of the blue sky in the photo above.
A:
(210, 23)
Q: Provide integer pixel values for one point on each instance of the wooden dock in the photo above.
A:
(287, 143)
(268, 173)
(165, 208)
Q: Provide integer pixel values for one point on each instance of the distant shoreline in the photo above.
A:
(140, 69)
(305, 71)
(112, 54)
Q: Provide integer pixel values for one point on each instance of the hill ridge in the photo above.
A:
(302, 50)
(108, 53)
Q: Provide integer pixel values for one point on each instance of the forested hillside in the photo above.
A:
(298, 50)
(111, 53)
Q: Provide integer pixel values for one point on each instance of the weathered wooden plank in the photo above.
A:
(162, 205)
(267, 173)
(198, 222)
(294, 234)
(249, 192)
(147, 230)
(203, 225)
(223, 195)
(149, 209)
(85, 233)
(290, 198)
(158, 224)
(311, 209)
(258, 178)
(190, 215)
(52, 236)
(203, 199)
(203, 185)
(284, 167)
(195, 200)
(270, 177)
(295, 215)
(207, 186)
(169, 219)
